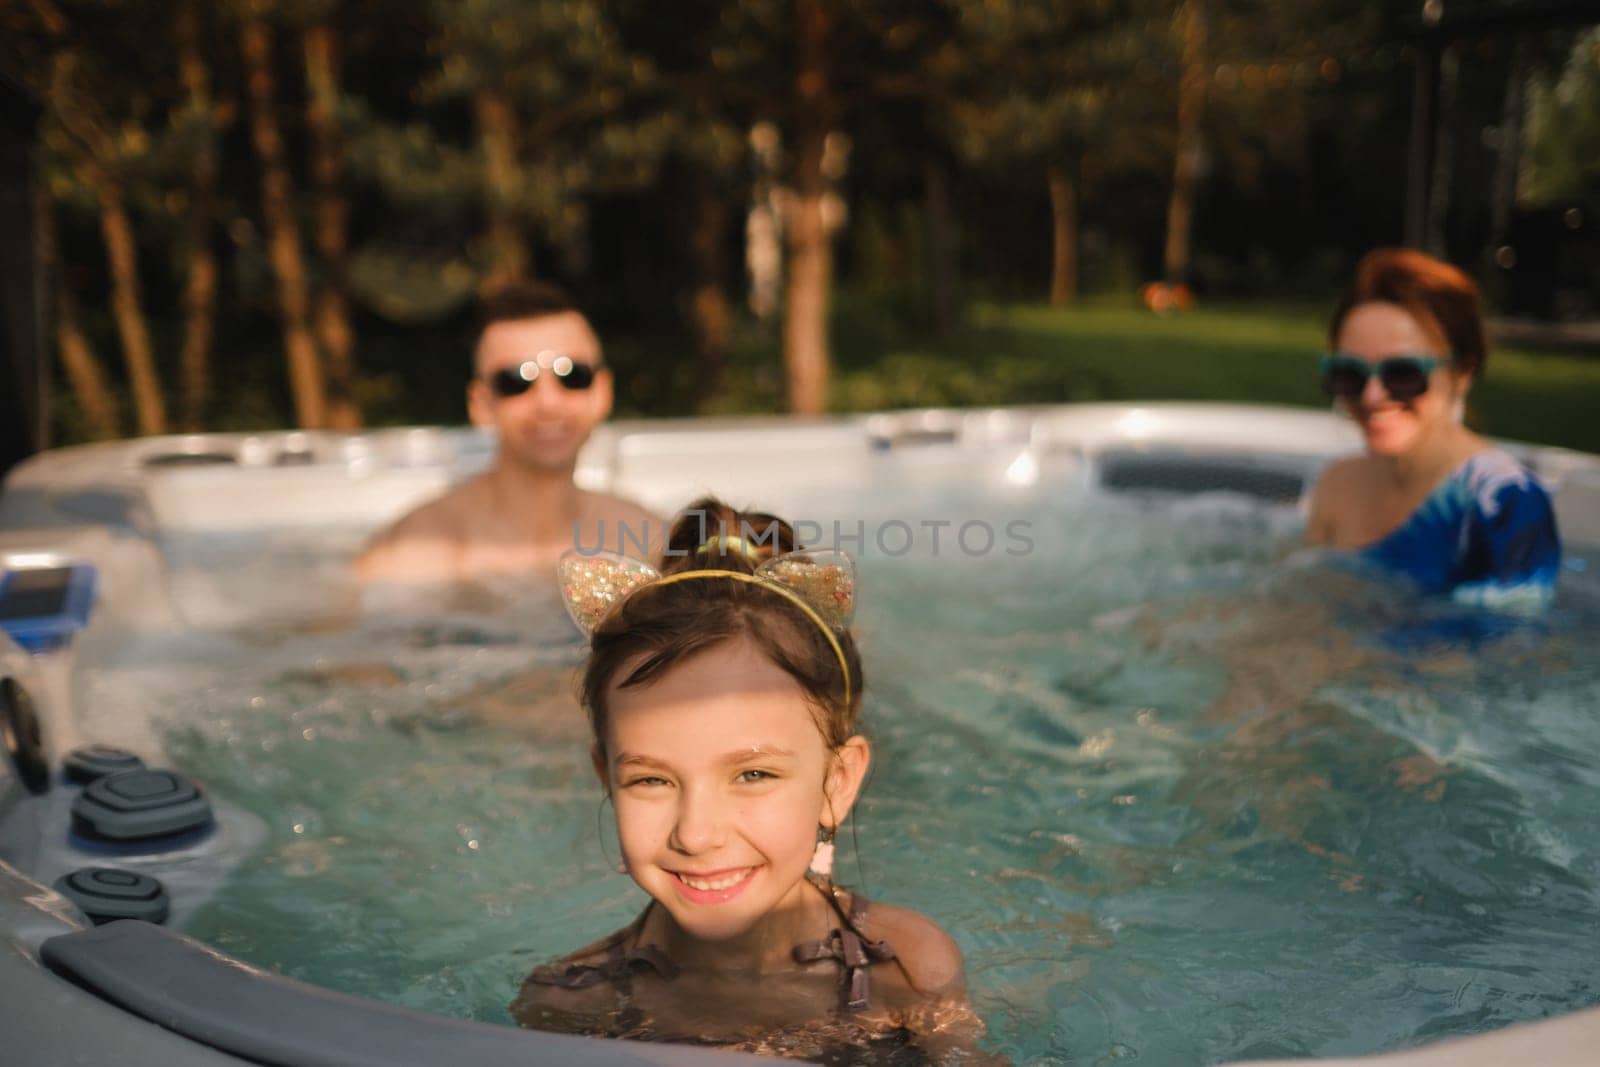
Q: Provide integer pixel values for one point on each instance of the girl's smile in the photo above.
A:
(717, 887)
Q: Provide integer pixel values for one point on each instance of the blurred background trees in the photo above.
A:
(271, 212)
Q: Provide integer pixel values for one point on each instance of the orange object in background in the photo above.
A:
(1164, 299)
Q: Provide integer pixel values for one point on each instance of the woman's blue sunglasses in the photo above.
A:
(1403, 377)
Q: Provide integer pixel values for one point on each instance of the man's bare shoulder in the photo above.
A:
(426, 542)
(612, 506)
(621, 525)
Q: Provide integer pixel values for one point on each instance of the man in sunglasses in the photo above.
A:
(540, 383)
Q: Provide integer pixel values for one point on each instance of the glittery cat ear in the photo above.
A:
(824, 579)
(592, 585)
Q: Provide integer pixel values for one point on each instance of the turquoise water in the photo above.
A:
(1181, 794)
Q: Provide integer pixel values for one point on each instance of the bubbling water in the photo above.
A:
(1179, 792)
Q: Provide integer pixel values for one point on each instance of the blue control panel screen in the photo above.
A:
(42, 607)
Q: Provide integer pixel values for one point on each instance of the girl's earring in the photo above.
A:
(822, 858)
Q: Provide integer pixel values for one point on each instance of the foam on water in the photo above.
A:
(1180, 794)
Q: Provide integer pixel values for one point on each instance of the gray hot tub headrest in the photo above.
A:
(182, 985)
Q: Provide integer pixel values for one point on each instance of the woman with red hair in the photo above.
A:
(1429, 498)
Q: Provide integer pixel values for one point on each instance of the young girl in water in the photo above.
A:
(723, 697)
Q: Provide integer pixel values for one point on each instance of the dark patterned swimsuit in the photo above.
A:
(845, 944)
(840, 1039)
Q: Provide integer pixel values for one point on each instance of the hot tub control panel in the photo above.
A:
(44, 599)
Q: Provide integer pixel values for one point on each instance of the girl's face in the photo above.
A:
(720, 779)
(1375, 331)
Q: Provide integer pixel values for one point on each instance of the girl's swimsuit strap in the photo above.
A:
(851, 949)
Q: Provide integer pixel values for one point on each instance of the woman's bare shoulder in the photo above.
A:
(1345, 472)
(1339, 489)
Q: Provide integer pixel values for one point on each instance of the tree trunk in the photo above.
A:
(1190, 147)
(85, 374)
(810, 265)
(1064, 227)
(941, 250)
(497, 133)
(1436, 240)
(709, 310)
(122, 253)
(1507, 161)
(1508, 153)
(200, 288)
(332, 315)
(283, 235)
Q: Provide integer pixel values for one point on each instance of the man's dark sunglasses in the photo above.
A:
(514, 381)
(1403, 377)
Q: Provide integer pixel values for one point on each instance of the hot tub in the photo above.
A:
(218, 561)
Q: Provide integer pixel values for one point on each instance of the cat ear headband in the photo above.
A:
(821, 584)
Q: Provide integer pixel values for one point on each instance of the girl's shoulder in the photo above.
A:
(927, 957)
(578, 987)
(543, 1005)
(926, 990)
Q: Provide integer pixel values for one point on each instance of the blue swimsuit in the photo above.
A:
(1486, 535)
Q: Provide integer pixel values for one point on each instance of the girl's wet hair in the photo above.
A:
(660, 626)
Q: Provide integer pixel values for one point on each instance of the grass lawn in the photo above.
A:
(1116, 350)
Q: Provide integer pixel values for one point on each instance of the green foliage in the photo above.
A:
(628, 116)
(1033, 81)
(1562, 158)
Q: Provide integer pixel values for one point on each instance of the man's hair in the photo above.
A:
(524, 300)
(1441, 297)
